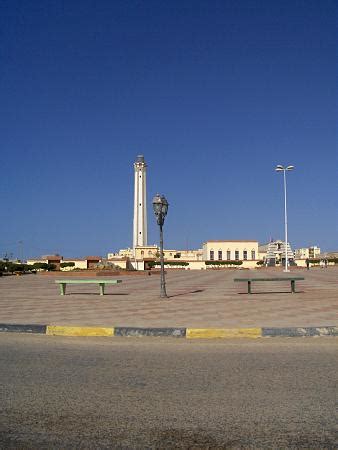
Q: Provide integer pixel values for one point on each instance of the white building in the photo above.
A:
(307, 252)
(276, 253)
(236, 250)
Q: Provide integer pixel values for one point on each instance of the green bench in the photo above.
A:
(250, 280)
(101, 283)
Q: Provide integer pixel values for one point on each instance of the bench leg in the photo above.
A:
(249, 287)
(62, 288)
(101, 289)
(293, 286)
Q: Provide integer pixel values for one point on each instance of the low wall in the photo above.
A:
(93, 273)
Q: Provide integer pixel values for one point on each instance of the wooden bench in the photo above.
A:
(101, 283)
(250, 280)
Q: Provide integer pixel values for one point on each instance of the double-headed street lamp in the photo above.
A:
(160, 206)
(283, 169)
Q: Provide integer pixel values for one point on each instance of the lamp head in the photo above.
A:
(160, 205)
(279, 168)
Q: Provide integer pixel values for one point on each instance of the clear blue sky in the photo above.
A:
(213, 93)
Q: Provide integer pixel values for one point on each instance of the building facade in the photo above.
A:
(312, 252)
(88, 262)
(276, 253)
(230, 250)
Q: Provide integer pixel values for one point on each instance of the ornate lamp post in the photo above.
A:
(283, 169)
(160, 206)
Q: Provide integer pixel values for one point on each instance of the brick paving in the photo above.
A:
(196, 299)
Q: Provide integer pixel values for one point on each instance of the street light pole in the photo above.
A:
(285, 225)
(160, 206)
(163, 290)
(283, 169)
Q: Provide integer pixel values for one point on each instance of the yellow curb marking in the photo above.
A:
(213, 333)
(78, 331)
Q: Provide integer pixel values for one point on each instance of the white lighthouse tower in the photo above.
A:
(140, 236)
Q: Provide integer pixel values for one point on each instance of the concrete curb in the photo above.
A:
(155, 332)
(188, 333)
(19, 328)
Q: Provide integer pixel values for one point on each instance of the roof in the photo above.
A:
(52, 258)
(72, 259)
(231, 240)
(92, 258)
(123, 258)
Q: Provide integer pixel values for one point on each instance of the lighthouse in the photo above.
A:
(140, 203)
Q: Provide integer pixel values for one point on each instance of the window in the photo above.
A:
(142, 252)
(253, 254)
(236, 255)
(220, 257)
(228, 255)
(245, 255)
(212, 255)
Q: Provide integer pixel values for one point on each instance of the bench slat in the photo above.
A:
(269, 279)
(101, 283)
(88, 281)
(250, 280)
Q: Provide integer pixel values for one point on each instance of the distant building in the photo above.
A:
(307, 252)
(230, 250)
(48, 259)
(331, 254)
(88, 262)
(276, 253)
(221, 250)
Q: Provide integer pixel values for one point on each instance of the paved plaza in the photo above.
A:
(196, 299)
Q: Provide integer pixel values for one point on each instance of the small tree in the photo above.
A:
(44, 266)
(168, 263)
(313, 260)
(11, 267)
(67, 264)
(40, 266)
(223, 263)
(19, 267)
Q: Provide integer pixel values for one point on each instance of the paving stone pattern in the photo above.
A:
(199, 299)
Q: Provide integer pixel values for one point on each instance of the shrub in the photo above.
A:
(44, 266)
(67, 264)
(8, 266)
(313, 260)
(332, 260)
(168, 263)
(223, 263)
(40, 266)
(177, 263)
